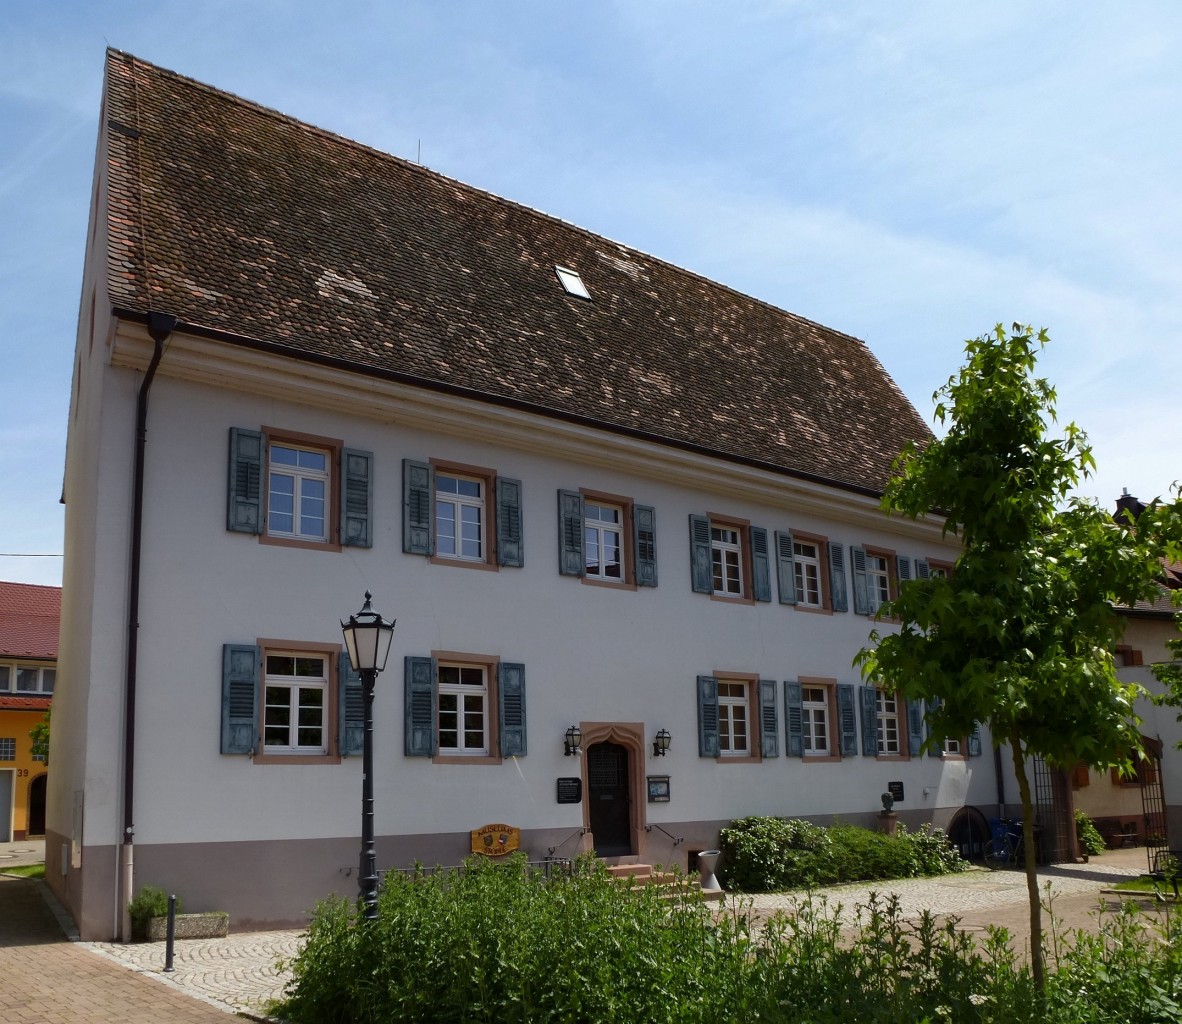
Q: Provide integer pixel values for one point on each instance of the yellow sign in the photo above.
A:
(495, 840)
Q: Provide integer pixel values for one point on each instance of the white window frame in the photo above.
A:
(807, 570)
(294, 684)
(816, 720)
(726, 559)
(595, 531)
(457, 503)
(10, 683)
(953, 747)
(7, 749)
(462, 692)
(734, 718)
(878, 580)
(888, 710)
(301, 477)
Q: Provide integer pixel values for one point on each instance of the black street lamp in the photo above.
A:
(367, 638)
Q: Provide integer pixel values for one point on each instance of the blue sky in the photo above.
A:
(909, 173)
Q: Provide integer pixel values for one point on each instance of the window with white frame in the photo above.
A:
(603, 545)
(806, 562)
(878, 580)
(733, 718)
(726, 559)
(814, 707)
(462, 693)
(890, 723)
(952, 746)
(295, 703)
(298, 492)
(7, 748)
(27, 679)
(460, 517)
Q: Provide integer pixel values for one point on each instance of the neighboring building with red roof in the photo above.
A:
(29, 621)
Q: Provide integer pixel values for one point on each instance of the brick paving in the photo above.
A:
(48, 979)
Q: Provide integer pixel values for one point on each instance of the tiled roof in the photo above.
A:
(241, 220)
(29, 617)
(10, 703)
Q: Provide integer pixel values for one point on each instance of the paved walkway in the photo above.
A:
(47, 979)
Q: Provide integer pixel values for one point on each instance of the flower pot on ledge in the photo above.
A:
(214, 924)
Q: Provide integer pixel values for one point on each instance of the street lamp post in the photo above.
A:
(367, 638)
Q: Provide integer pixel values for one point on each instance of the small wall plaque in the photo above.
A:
(658, 789)
(896, 791)
(570, 791)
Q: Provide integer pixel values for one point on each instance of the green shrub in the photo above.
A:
(1088, 835)
(497, 943)
(151, 901)
(769, 854)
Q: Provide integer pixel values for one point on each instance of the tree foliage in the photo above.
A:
(39, 734)
(1021, 634)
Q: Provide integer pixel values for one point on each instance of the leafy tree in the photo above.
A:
(1020, 635)
(39, 734)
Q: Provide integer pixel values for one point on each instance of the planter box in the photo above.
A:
(213, 925)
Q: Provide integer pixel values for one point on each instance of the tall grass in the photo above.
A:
(497, 943)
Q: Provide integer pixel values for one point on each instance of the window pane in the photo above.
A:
(313, 460)
(469, 488)
(449, 675)
(26, 679)
(48, 679)
(591, 543)
(5, 677)
(445, 528)
(284, 456)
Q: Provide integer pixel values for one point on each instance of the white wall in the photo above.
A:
(591, 653)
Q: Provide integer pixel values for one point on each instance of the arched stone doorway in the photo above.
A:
(613, 786)
(969, 832)
(37, 805)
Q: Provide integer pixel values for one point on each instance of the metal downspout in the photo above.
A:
(160, 327)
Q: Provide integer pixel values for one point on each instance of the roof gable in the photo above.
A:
(260, 227)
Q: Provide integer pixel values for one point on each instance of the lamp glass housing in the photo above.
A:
(367, 639)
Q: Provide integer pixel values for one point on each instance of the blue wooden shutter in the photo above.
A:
(707, 716)
(785, 569)
(769, 727)
(975, 740)
(240, 687)
(937, 748)
(837, 588)
(761, 578)
(847, 718)
(417, 535)
(510, 541)
(922, 570)
(511, 697)
(572, 561)
(356, 498)
(793, 720)
(701, 570)
(903, 569)
(914, 727)
(861, 594)
(644, 530)
(420, 707)
(350, 708)
(869, 721)
(244, 489)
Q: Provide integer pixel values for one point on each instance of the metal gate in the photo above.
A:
(1153, 801)
(1053, 818)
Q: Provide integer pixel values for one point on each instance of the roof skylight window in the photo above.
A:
(572, 282)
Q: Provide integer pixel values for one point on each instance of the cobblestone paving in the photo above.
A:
(974, 890)
(237, 973)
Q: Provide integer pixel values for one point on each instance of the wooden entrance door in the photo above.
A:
(609, 801)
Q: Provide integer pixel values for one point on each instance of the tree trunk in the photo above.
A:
(1037, 966)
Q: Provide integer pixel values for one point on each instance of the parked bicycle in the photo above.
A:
(1007, 847)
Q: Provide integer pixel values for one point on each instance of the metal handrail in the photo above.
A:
(676, 840)
(577, 832)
